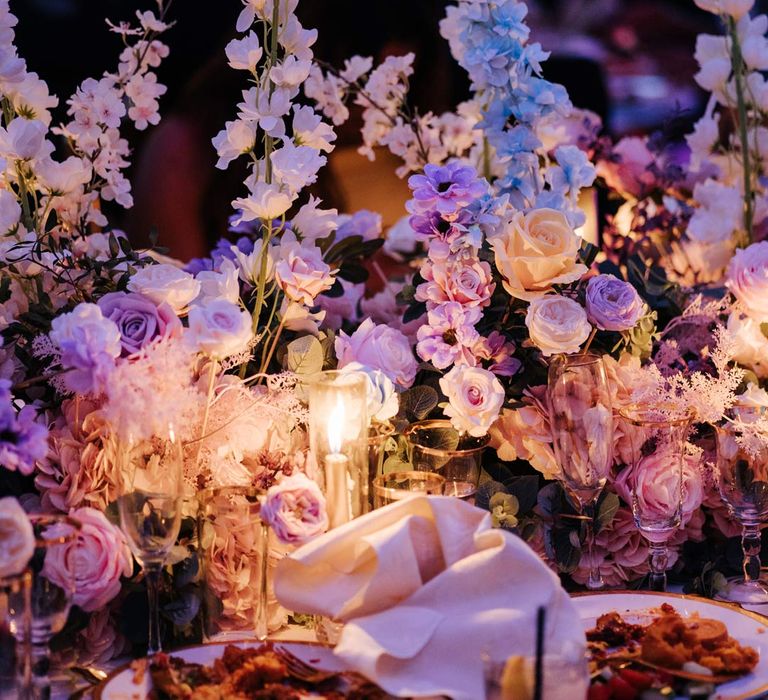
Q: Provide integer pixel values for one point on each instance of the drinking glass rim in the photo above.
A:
(580, 359)
(332, 374)
(686, 416)
(442, 423)
(53, 519)
(23, 577)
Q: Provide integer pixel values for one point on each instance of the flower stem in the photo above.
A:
(152, 573)
(589, 341)
(737, 62)
(209, 398)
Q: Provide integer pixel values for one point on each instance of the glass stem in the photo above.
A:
(41, 668)
(152, 574)
(595, 580)
(751, 545)
(262, 612)
(659, 561)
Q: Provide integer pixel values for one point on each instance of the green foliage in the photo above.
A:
(304, 355)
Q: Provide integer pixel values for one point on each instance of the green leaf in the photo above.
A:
(304, 355)
(394, 463)
(567, 556)
(526, 490)
(418, 402)
(114, 247)
(343, 248)
(353, 272)
(607, 510)
(414, 311)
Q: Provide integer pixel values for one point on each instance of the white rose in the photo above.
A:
(379, 347)
(383, 402)
(750, 346)
(747, 278)
(221, 284)
(475, 397)
(535, 251)
(557, 324)
(17, 539)
(166, 283)
(219, 328)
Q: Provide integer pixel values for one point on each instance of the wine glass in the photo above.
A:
(150, 507)
(15, 626)
(657, 437)
(742, 480)
(581, 423)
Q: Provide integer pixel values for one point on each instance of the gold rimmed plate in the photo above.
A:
(121, 683)
(747, 627)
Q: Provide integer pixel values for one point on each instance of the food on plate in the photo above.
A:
(661, 650)
(672, 641)
(259, 673)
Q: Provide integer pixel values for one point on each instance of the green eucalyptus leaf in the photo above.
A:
(304, 355)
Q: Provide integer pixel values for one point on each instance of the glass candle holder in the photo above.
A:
(378, 434)
(15, 636)
(338, 434)
(436, 446)
(397, 486)
(234, 550)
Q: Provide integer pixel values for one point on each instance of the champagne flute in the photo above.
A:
(657, 438)
(581, 423)
(150, 508)
(742, 480)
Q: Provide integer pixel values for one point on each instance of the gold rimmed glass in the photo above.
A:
(397, 486)
(436, 446)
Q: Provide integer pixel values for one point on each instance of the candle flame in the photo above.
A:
(335, 426)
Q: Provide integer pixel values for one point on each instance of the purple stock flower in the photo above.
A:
(221, 251)
(612, 304)
(432, 225)
(139, 320)
(22, 440)
(447, 189)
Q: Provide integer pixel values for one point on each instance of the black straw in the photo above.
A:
(538, 681)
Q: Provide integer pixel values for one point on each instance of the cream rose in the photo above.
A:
(475, 397)
(17, 539)
(557, 324)
(535, 251)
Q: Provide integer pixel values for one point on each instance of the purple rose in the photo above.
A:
(612, 304)
(139, 320)
(295, 509)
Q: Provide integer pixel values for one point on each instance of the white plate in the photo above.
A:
(746, 627)
(120, 685)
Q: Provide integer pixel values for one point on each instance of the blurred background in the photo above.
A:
(629, 61)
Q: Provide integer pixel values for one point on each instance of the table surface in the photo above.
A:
(65, 688)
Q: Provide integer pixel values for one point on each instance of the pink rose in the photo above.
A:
(655, 485)
(628, 171)
(99, 558)
(475, 397)
(301, 272)
(379, 347)
(466, 281)
(295, 509)
(747, 278)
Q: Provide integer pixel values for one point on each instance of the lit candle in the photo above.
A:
(337, 486)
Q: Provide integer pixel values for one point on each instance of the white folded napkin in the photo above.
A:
(424, 586)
